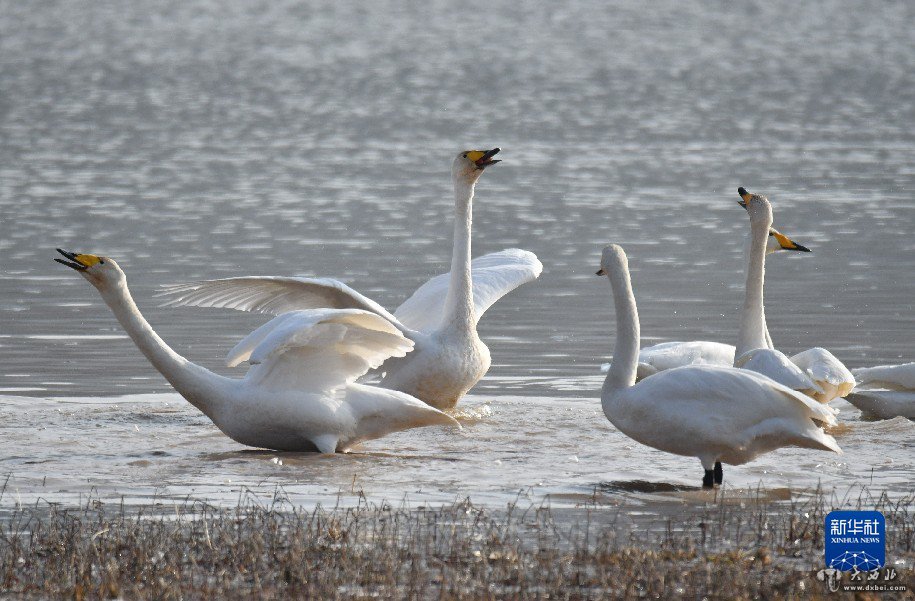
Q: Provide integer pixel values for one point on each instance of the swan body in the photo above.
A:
(440, 318)
(300, 392)
(884, 404)
(717, 414)
(669, 355)
(893, 377)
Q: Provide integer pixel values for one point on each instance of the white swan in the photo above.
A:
(299, 394)
(885, 391)
(884, 404)
(753, 343)
(893, 377)
(816, 371)
(668, 355)
(440, 317)
(718, 414)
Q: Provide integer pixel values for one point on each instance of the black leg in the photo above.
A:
(719, 473)
(708, 481)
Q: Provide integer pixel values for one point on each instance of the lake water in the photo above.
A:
(209, 139)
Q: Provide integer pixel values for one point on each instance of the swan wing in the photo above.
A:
(826, 370)
(270, 295)
(494, 275)
(318, 349)
(893, 377)
(778, 367)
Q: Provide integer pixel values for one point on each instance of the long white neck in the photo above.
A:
(626, 351)
(196, 384)
(459, 311)
(753, 331)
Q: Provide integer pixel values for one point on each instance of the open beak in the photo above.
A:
(73, 262)
(485, 159)
(78, 262)
(744, 195)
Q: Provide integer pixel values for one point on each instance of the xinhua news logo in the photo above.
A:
(855, 553)
(855, 541)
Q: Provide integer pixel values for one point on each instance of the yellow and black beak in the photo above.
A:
(744, 195)
(483, 158)
(78, 262)
(787, 243)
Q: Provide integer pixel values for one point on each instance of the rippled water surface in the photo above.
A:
(210, 139)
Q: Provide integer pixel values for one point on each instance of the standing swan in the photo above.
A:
(718, 414)
(816, 371)
(299, 394)
(440, 317)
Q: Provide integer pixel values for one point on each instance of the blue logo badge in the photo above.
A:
(855, 540)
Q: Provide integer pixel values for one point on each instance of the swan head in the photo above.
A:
(102, 272)
(613, 259)
(756, 205)
(468, 165)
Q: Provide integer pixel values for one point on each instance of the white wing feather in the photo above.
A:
(271, 295)
(777, 366)
(494, 276)
(318, 349)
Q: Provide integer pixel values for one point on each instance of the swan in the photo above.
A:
(440, 318)
(668, 355)
(753, 351)
(816, 371)
(884, 404)
(718, 414)
(885, 391)
(300, 392)
(893, 377)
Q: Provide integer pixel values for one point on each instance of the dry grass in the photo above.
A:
(722, 550)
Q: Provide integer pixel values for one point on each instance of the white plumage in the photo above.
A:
(299, 393)
(718, 414)
(440, 318)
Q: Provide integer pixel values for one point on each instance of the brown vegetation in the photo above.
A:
(725, 549)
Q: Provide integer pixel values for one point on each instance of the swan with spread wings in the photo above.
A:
(440, 318)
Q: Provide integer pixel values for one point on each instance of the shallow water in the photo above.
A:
(206, 139)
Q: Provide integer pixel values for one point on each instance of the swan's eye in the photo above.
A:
(101, 261)
(464, 155)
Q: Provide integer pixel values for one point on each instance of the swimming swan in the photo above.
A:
(668, 355)
(300, 392)
(440, 318)
(892, 377)
(718, 414)
(815, 372)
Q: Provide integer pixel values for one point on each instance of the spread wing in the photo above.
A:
(271, 295)
(318, 349)
(494, 276)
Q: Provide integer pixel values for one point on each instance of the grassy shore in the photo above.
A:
(730, 547)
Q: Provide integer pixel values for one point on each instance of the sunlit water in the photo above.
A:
(210, 139)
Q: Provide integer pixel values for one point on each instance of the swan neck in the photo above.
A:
(459, 309)
(192, 381)
(626, 351)
(753, 332)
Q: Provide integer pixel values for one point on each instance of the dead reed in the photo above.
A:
(726, 549)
